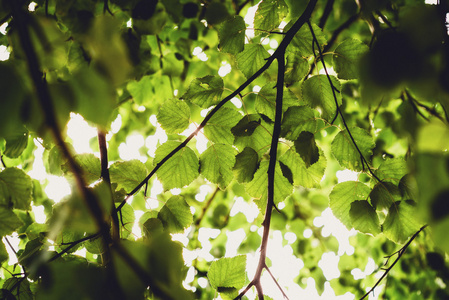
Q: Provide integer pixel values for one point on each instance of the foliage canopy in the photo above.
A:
(245, 108)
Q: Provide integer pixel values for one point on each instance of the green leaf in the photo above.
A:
(266, 100)
(246, 163)
(3, 253)
(317, 92)
(174, 116)
(16, 143)
(258, 187)
(306, 147)
(303, 39)
(19, 288)
(175, 215)
(364, 217)
(95, 246)
(392, 170)
(346, 153)
(9, 221)
(308, 177)
(346, 58)
(128, 174)
(228, 272)
(90, 166)
(218, 128)
(269, 14)
(401, 221)
(341, 197)
(232, 35)
(383, 195)
(127, 218)
(15, 189)
(296, 67)
(251, 59)
(297, 119)
(217, 163)
(205, 91)
(180, 170)
(252, 131)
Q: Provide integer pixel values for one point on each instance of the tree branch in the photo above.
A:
(399, 253)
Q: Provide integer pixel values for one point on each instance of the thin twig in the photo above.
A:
(326, 13)
(276, 282)
(205, 207)
(400, 253)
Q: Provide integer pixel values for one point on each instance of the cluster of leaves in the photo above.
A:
(358, 86)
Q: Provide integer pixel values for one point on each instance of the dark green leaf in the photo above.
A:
(318, 93)
(180, 170)
(297, 119)
(346, 153)
(16, 143)
(402, 221)
(205, 91)
(9, 221)
(15, 188)
(383, 195)
(303, 39)
(246, 163)
(217, 163)
(232, 35)
(175, 215)
(364, 217)
(246, 126)
(306, 146)
(19, 288)
(392, 170)
(266, 101)
(296, 67)
(269, 14)
(3, 253)
(346, 58)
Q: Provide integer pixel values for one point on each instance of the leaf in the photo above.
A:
(341, 197)
(232, 35)
(16, 143)
(127, 218)
(251, 59)
(308, 177)
(401, 221)
(364, 217)
(90, 166)
(217, 163)
(175, 215)
(228, 272)
(297, 119)
(346, 58)
(266, 100)
(246, 163)
(174, 116)
(392, 170)
(205, 91)
(19, 288)
(269, 14)
(128, 174)
(9, 221)
(252, 131)
(346, 153)
(383, 195)
(317, 92)
(218, 128)
(303, 39)
(246, 126)
(180, 170)
(296, 67)
(306, 147)
(15, 188)
(3, 253)
(258, 187)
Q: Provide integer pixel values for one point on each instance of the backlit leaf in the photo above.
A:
(317, 92)
(16, 143)
(251, 59)
(297, 119)
(345, 151)
(217, 163)
(89, 164)
(346, 58)
(174, 116)
(180, 170)
(205, 91)
(232, 35)
(266, 100)
(9, 221)
(306, 146)
(128, 174)
(296, 67)
(392, 170)
(228, 272)
(269, 14)
(175, 215)
(253, 132)
(15, 188)
(341, 197)
(218, 128)
(402, 221)
(383, 195)
(364, 217)
(304, 38)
